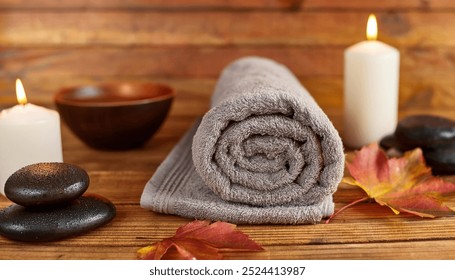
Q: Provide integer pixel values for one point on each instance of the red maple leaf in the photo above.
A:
(199, 240)
(403, 184)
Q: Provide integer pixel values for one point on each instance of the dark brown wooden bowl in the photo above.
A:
(115, 116)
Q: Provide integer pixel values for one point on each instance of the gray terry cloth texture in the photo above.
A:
(264, 153)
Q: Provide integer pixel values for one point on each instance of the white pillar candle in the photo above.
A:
(28, 134)
(371, 73)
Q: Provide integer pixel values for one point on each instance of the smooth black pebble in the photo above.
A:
(46, 184)
(389, 142)
(441, 160)
(425, 131)
(35, 224)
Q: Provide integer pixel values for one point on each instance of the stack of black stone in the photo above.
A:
(49, 203)
(435, 135)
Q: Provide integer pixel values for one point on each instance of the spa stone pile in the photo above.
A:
(49, 205)
(435, 135)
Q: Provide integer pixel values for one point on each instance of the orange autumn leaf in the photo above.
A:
(403, 184)
(199, 240)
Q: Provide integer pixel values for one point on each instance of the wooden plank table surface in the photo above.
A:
(366, 231)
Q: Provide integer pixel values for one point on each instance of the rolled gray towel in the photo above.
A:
(264, 153)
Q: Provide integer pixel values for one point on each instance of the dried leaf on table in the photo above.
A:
(403, 184)
(200, 240)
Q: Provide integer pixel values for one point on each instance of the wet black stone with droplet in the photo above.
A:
(425, 131)
(46, 184)
(50, 223)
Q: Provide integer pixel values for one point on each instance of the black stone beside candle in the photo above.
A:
(435, 135)
(46, 184)
(425, 131)
(49, 203)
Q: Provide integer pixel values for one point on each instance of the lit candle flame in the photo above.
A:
(372, 28)
(20, 93)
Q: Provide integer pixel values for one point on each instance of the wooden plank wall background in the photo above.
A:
(55, 43)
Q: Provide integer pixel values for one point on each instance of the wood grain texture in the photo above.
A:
(150, 4)
(176, 61)
(370, 5)
(427, 63)
(144, 27)
(373, 5)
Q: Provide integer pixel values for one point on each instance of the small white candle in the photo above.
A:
(28, 134)
(371, 73)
